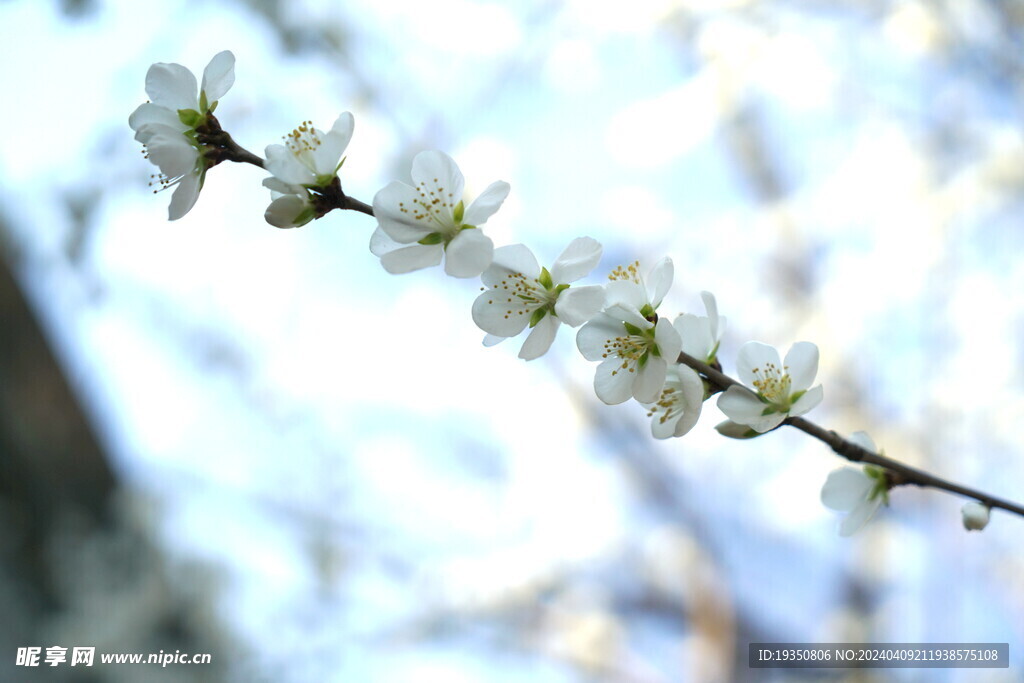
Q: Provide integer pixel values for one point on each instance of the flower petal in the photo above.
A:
(626, 293)
(577, 305)
(659, 280)
(328, 154)
(752, 355)
(711, 308)
(415, 257)
(540, 338)
(693, 399)
(184, 197)
(485, 205)
(492, 340)
(612, 383)
(650, 380)
(172, 86)
(219, 76)
(277, 185)
(172, 154)
(576, 260)
(807, 402)
(285, 167)
(627, 313)
(802, 365)
(381, 244)
(695, 332)
(859, 516)
(741, 406)
(283, 211)
(468, 254)
(499, 313)
(594, 336)
(434, 171)
(667, 338)
(864, 440)
(149, 114)
(846, 488)
(509, 260)
(394, 209)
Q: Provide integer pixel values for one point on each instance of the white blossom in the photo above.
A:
(302, 168)
(780, 390)
(633, 344)
(166, 124)
(678, 407)
(421, 224)
(519, 292)
(855, 491)
(701, 335)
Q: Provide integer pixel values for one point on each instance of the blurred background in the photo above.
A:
(221, 437)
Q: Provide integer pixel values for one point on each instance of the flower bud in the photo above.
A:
(975, 516)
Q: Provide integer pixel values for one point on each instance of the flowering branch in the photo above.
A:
(897, 473)
(670, 367)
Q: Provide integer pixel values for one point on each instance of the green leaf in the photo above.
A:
(537, 316)
(545, 278)
(460, 211)
(190, 117)
(432, 238)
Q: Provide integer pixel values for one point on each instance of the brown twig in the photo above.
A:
(899, 474)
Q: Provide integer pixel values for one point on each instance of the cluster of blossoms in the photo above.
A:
(640, 353)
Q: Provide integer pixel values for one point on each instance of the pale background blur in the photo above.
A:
(277, 453)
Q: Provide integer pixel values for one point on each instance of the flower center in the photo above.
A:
(669, 402)
(630, 273)
(434, 206)
(302, 142)
(525, 294)
(772, 383)
(633, 349)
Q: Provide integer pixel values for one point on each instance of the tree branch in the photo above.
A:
(898, 473)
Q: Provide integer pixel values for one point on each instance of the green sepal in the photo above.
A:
(793, 397)
(648, 311)
(881, 487)
(770, 409)
(460, 211)
(710, 360)
(633, 329)
(538, 315)
(432, 238)
(545, 279)
(735, 430)
(190, 117)
(340, 164)
(561, 288)
(467, 227)
(213, 107)
(643, 359)
(203, 104)
(305, 216)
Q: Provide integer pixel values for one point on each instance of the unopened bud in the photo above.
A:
(975, 516)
